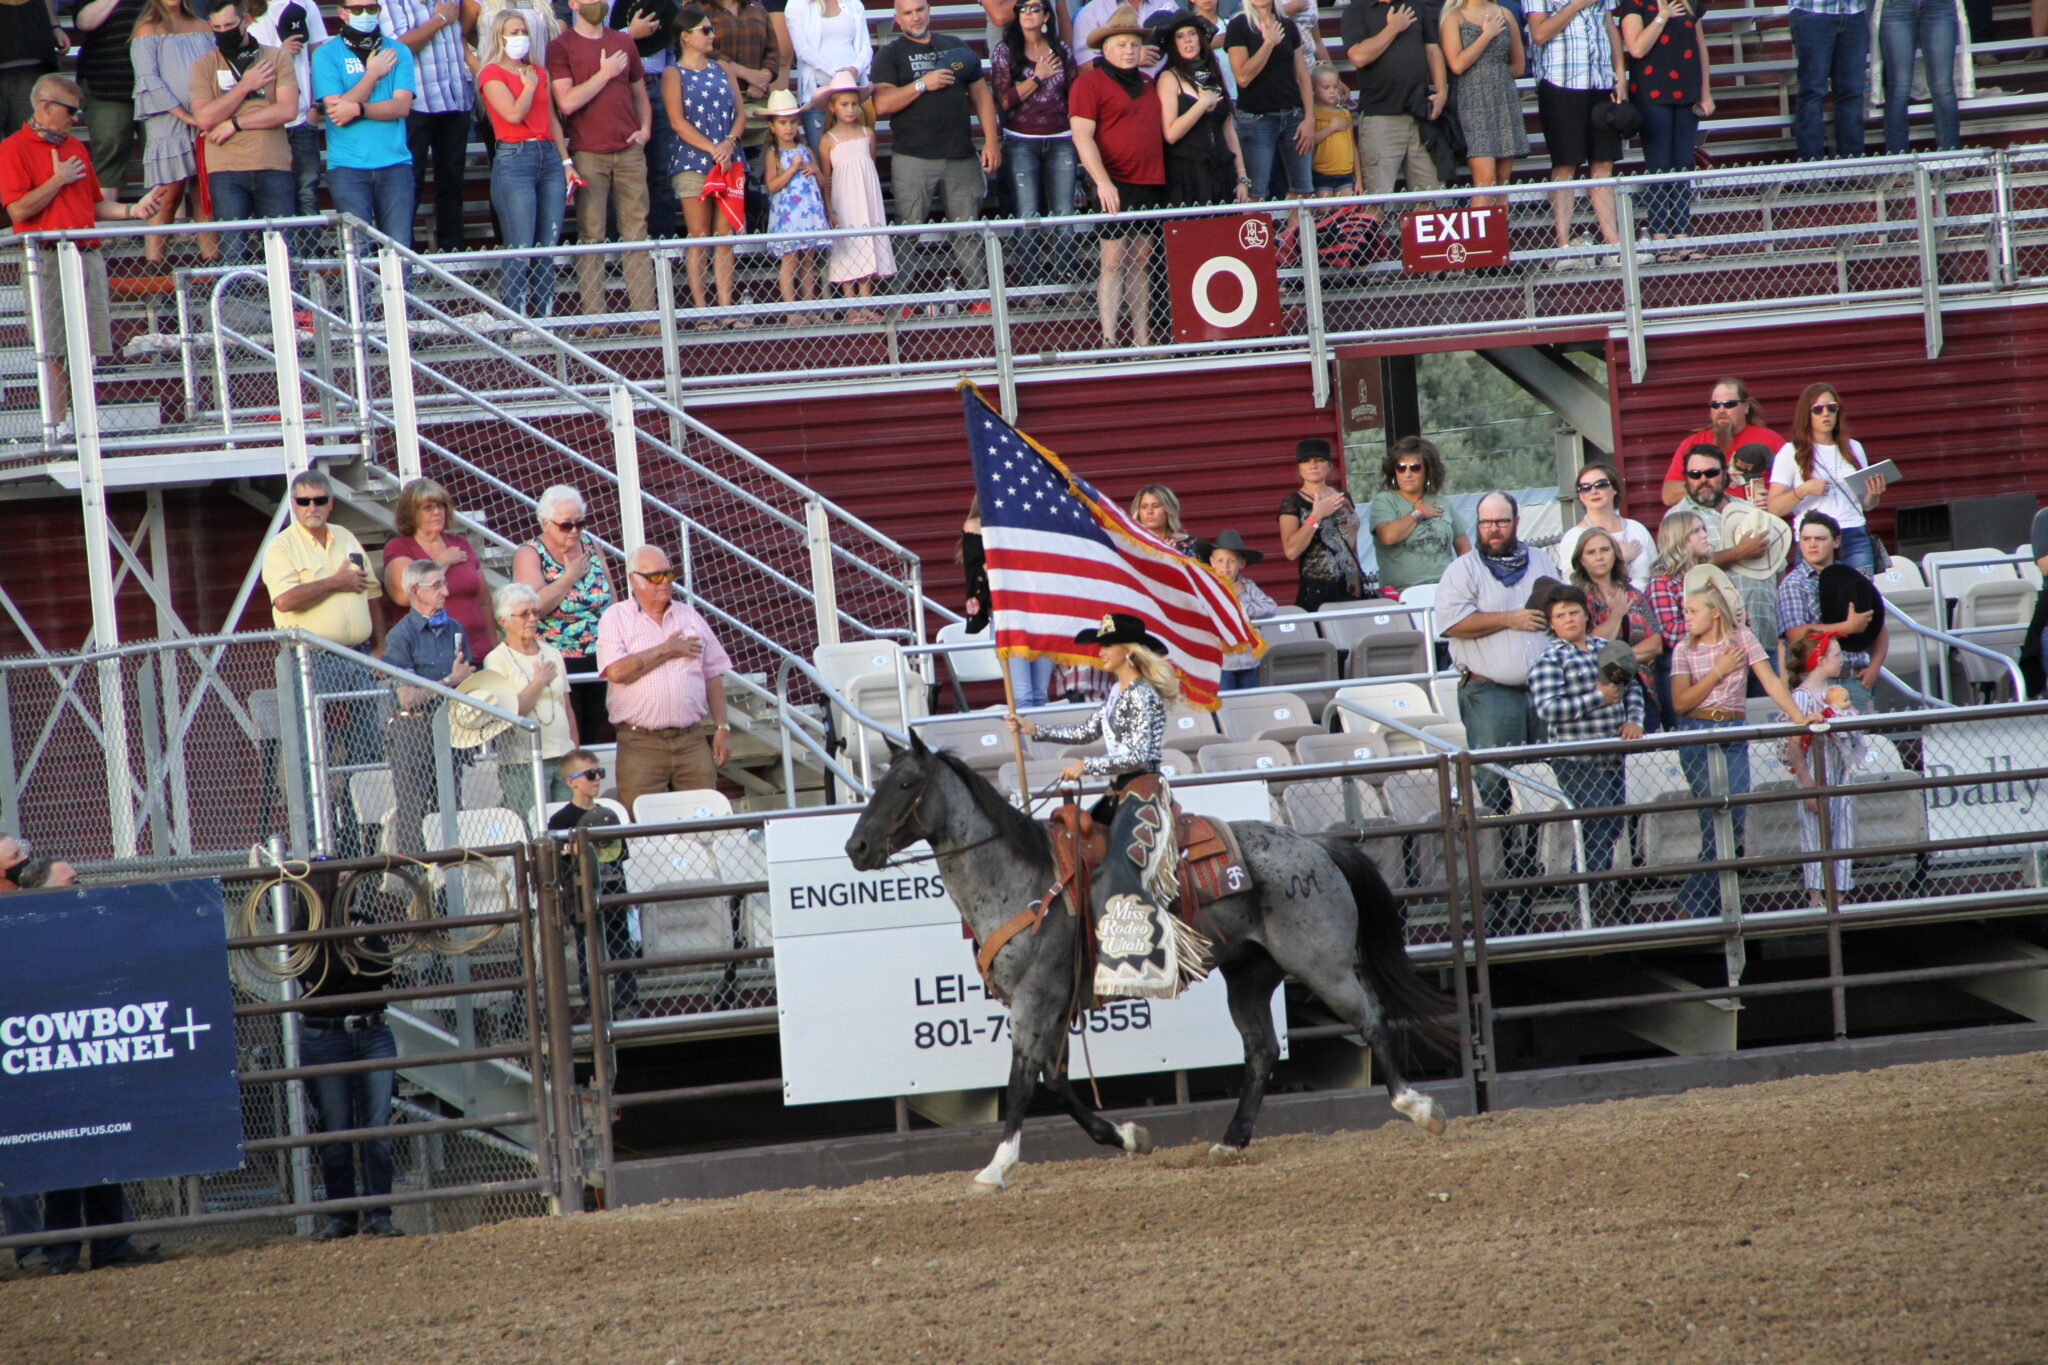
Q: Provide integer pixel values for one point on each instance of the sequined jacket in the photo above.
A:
(1132, 725)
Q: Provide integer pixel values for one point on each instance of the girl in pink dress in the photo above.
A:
(846, 170)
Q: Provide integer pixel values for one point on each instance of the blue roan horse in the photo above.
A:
(1317, 911)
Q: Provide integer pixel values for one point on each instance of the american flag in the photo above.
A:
(1061, 557)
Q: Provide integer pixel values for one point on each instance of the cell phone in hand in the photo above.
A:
(356, 559)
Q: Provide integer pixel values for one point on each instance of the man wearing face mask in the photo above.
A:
(365, 83)
(600, 91)
(243, 94)
(47, 185)
(437, 126)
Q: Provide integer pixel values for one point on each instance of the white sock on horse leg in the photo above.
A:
(995, 1175)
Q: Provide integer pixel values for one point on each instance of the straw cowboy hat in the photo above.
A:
(468, 726)
(1123, 20)
(782, 104)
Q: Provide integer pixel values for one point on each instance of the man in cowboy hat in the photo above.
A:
(1706, 497)
(927, 85)
(428, 643)
(1229, 556)
(666, 672)
(1801, 611)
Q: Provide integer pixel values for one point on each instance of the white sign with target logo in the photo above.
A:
(879, 995)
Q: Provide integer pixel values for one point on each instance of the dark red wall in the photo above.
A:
(1222, 440)
(1961, 425)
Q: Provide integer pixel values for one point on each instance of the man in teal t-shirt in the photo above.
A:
(364, 82)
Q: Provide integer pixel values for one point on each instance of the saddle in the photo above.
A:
(1211, 867)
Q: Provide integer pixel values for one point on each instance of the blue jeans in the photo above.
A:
(93, 1204)
(1856, 551)
(1669, 131)
(383, 197)
(1238, 679)
(1029, 678)
(528, 194)
(308, 158)
(1929, 25)
(1701, 893)
(362, 1100)
(1593, 782)
(1832, 50)
(1267, 138)
(1041, 176)
(246, 195)
(663, 218)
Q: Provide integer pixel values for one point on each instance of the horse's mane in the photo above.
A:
(1018, 830)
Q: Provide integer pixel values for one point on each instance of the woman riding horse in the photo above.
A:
(1143, 949)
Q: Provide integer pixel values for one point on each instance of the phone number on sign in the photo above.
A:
(1119, 1016)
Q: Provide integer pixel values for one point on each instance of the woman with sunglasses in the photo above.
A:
(1030, 70)
(565, 567)
(537, 669)
(1599, 490)
(1812, 473)
(1417, 533)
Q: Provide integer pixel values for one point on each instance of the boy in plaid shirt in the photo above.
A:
(1576, 703)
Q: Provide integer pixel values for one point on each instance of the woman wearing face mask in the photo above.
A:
(168, 38)
(530, 174)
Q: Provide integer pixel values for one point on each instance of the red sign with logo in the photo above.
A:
(1460, 239)
(1225, 279)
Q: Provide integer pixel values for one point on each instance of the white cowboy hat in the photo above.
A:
(469, 726)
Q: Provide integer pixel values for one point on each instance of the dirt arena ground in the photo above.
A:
(1899, 1215)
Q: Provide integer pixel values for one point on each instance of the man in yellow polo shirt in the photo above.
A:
(318, 579)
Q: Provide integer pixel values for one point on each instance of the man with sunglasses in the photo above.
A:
(1706, 482)
(318, 580)
(1734, 419)
(365, 84)
(47, 185)
(667, 692)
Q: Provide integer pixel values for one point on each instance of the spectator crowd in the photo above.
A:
(653, 118)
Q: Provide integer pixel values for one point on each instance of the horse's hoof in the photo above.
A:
(1223, 1153)
(983, 1185)
(1423, 1111)
(1136, 1140)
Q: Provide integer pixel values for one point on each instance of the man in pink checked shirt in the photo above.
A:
(666, 694)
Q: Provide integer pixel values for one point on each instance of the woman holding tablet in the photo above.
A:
(1814, 471)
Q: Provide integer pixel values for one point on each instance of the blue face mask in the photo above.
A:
(362, 22)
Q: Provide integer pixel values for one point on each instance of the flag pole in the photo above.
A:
(1016, 736)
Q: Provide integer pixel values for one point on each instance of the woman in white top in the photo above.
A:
(537, 670)
(1599, 489)
(829, 36)
(1811, 470)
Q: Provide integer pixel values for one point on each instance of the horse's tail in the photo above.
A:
(1416, 1010)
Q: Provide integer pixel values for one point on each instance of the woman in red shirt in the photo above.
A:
(531, 174)
(1120, 138)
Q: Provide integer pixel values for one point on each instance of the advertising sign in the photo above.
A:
(2001, 803)
(117, 1036)
(1456, 239)
(1224, 276)
(880, 996)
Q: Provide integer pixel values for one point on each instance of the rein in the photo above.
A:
(921, 831)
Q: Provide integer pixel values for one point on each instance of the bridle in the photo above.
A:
(911, 822)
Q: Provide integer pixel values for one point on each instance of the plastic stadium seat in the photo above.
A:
(1192, 729)
(1175, 763)
(1388, 653)
(1258, 755)
(1399, 700)
(1287, 663)
(1949, 583)
(1354, 746)
(2000, 610)
(1039, 775)
(668, 808)
(1345, 630)
(1280, 716)
(970, 665)
(980, 738)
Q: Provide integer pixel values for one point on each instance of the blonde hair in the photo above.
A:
(1156, 673)
(493, 45)
(1167, 499)
(1720, 605)
(1674, 554)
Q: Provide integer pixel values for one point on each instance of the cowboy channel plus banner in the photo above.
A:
(117, 1036)
(880, 996)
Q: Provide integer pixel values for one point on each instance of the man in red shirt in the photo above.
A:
(1734, 419)
(600, 92)
(47, 185)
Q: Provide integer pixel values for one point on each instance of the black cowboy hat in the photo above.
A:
(1843, 590)
(1120, 628)
(1230, 540)
(1163, 31)
(1753, 457)
(1618, 117)
(1540, 593)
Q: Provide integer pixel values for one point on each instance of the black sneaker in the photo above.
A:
(381, 1227)
(71, 1267)
(130, 1254)
(336, 1229)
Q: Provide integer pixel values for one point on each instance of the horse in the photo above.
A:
(1317, 910)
